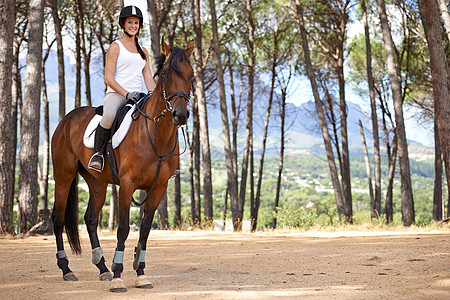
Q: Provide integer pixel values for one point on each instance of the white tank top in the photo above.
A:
(128, 71)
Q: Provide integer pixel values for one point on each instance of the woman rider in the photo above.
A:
(126, 63)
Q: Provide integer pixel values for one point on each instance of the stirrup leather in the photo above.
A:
(97, 154)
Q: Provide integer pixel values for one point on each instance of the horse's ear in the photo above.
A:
(165, 48)
(190, 48)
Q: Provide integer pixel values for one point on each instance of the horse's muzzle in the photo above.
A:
(180, 117)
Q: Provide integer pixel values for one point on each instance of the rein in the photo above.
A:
(141, 108)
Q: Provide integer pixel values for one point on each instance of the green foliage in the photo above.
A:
(296, 217)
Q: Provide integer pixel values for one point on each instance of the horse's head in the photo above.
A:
(176, 73)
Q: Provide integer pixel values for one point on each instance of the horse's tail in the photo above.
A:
(71, 218)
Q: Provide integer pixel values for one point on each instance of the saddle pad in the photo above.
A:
(118, 136)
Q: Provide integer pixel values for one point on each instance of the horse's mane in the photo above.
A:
(173, 62)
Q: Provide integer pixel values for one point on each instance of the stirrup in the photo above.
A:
(97, 154)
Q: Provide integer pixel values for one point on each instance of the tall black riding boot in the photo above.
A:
(97, 161)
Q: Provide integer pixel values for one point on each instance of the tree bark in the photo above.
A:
(196, 173)
(345, 169)
(7, 20)
(231, 175)
(373, 108)
(445, 16)
(76, 16)
(321, 115)
(29, 142)
(438, 173)
(281, 159)
(113, 207)
(86, 53)
(43, 175)
(154, 31)
(389, 209)
(408, 215)
(163, 217)
(255, 208)
(203, 116)
(177, 197)
(249, 122)
(368, 171)
(60, 52)
(439, 77)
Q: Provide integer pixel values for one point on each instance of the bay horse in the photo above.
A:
(146, 159)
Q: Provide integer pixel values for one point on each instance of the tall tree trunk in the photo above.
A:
(43, 175)
(203, 116)
(445, 16)
(76, 16)
(231, 175)
(154, 31)
(163, 217)
(254, 209)
(438, 172)
(373, 109)
(429, 12)
(249, 123)
(368, 169)
(281, 160)
(389, 208)
(323, 125)
(177, 198)
(113, 206)
(234, 114)
(17, 100)
(194, 201)
(408, 215)
(60, 52)
(196, 148)
(29, 142)
(345, 170)
(7, 20)
(85, 53)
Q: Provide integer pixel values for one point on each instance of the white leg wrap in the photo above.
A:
(118, 257)
(97, 254)
(61, 254)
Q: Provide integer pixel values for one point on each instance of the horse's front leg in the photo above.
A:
(123, 229)
(143, 281)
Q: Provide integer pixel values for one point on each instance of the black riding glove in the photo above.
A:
(133, 96)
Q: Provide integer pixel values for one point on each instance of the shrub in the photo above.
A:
(296, 217)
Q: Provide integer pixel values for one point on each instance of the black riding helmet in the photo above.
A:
(130, 11)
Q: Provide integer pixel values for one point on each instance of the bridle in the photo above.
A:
(176, 95)
(141, 108)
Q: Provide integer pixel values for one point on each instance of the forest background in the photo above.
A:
(290, 149)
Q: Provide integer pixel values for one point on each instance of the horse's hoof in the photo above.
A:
(70, 277)
(117, 286)
(143, 282)
(107, 276)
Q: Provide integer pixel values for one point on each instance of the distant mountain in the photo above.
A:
(302, 135)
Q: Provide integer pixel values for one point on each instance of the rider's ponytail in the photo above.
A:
(139, 48)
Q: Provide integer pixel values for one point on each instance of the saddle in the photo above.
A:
(119, 131)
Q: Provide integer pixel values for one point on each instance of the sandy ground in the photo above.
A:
(216, 265)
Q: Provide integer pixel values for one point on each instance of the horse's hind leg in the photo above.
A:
(62, 192)
(97, 194)
(143, 281)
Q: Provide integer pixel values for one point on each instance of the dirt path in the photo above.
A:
(211, 265)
